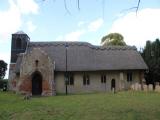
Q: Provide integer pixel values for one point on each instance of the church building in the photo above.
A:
(48, 68)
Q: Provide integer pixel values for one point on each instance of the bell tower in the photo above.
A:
(18, 45)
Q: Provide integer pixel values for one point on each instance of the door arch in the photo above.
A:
(36, 83)
(113, 84)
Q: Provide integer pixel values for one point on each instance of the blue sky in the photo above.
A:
(49, 21)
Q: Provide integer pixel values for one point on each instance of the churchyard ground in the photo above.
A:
(98, 106)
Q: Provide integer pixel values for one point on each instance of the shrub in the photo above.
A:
(2, 83)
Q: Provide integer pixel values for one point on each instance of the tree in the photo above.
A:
(113, 39)
(151, 55)
(3, 68)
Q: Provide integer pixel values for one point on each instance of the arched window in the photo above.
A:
(113, 84)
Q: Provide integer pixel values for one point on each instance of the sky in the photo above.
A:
(52, 20)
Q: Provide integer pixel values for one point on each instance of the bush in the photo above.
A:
(3, 83)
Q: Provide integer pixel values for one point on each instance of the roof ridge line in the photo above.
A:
(97, 47)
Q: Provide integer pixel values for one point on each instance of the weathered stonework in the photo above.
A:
(12, 77)
(28, 67)
(24, 85)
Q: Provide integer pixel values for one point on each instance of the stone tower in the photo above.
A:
(19, 44)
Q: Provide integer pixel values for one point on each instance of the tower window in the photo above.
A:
(36, 62)
(18, 43)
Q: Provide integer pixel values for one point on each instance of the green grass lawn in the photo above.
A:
(98, 106)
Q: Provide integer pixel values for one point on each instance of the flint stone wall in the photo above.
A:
(12, 77)
(28, 66)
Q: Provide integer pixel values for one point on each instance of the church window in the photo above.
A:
(70, 79)
(86, 80)
(103, 78)
(129, 77)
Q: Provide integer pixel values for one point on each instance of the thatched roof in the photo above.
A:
(82, 56)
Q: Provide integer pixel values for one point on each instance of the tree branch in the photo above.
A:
(138, 6)
(103, 1)
(65, 5)
(78, 5)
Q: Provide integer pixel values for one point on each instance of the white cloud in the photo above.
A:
(137, 29)
(84, 28)
(95, 25)
(27, 6)
(11, 19)
(31, 26)
(81, 23)
(72, 36)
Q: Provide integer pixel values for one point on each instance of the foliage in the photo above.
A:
(3, 68)
(99, 106)
(2, 83)
(113, 39)
(151, 55)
